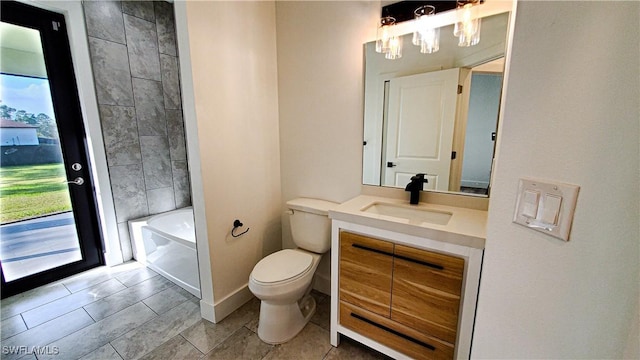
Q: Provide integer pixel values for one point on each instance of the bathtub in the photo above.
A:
(166, 243)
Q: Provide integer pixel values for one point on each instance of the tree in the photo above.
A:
(47, 127)
(6, 112)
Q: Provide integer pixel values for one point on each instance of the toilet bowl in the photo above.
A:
(283, 280)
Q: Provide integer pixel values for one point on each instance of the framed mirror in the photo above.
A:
(435, 113)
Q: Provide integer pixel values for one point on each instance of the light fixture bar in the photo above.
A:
(445, 18)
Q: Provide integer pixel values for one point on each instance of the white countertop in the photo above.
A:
(467, 227)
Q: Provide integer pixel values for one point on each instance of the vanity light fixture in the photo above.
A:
(426, 35)
(395, 48)
(386, 42)
(383, 38)
(467, 26)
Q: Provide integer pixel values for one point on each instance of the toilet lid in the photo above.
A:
(281, 266)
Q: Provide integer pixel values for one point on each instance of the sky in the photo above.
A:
(25, 93)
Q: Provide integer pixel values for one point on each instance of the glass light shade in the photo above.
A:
(430, 41)
(383, 37)
(425, 35)
(471, 37)
(395, 48)
(466, 13)
(421, 15)
(467, 26)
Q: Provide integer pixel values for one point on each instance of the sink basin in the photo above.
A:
(414, 214)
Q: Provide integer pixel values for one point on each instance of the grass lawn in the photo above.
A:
(32, 190)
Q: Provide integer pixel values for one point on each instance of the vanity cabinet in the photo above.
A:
(400, 296)
(405, 286)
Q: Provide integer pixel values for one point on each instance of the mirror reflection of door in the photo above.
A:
(49, 228)
(380, 71)
(482, 120)
(418, 124)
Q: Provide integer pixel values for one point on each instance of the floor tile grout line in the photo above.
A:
(136, 283)
(167, 310)
(52, 341)
(72, 310)
(92, 318)
(114, 349)
(135, 328)
(23, 322)
(24, 311)
(327, 354)
(62, 282)
(118, 280)
(65, 286)
(156, 293)
(119, 291)
(190, 343)
(67, 280)
(222, 341)
(127, 331)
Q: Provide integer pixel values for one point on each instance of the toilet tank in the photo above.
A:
(310, 223)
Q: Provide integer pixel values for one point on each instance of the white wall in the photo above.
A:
(320, 67)
(233, 66)
(320, 85)
(571, 115)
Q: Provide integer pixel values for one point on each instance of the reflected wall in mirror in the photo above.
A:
(435, 113)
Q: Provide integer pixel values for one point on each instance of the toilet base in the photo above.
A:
(280, 323)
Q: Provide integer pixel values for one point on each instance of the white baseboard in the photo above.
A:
(322, 284)
(207, 311)
(221, 309)
(229, 304)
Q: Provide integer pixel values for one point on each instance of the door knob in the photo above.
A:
(76, 181)
(390, 164)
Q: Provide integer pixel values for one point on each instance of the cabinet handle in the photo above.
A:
(394, 332)
(435, 266)
(358, 246)
(363, 247)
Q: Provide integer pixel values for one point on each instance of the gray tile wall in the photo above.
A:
(135, 68)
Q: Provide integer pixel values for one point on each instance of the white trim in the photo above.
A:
(322, 283)
(74, 16)
(207, 309)
(232, 302)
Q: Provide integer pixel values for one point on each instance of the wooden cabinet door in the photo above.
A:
(365, 272)
(426, 291)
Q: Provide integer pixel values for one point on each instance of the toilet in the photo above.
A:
(283, 280)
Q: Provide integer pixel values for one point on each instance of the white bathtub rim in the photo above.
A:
(189, 242)
(138, 226)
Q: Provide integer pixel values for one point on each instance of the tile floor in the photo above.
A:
(130, 312)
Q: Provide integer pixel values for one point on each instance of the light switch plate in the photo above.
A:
(554, 198)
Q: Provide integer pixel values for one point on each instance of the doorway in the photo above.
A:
(49, 210)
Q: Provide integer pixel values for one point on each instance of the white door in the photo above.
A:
(420, 116)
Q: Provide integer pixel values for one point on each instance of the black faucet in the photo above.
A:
(415, 186)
